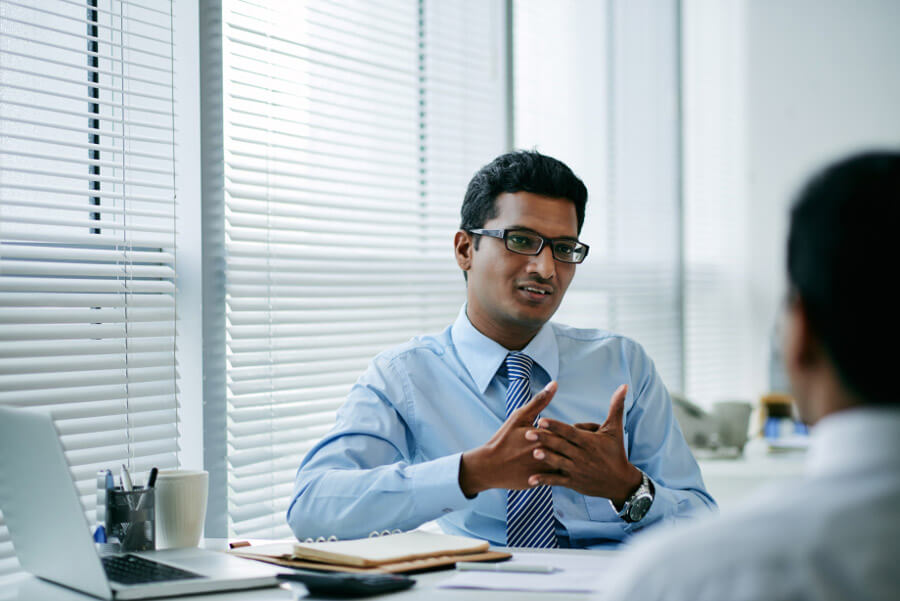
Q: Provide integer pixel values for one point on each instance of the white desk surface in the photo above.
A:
(731, 479)
(24, 587)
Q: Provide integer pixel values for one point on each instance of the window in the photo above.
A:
(349, 131)
(603, 98)
(87, 231)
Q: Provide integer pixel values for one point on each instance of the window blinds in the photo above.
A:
(87, 230)
(350, 130)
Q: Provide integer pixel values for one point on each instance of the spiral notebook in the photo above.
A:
(404, 552)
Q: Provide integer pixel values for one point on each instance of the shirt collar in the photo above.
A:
(483, 356)
(855, 439)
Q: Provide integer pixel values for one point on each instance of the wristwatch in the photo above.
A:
(638, 504)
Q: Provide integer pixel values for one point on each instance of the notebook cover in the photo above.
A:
(393, 548)
(400, 567)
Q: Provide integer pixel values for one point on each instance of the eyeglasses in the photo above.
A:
(527, 242)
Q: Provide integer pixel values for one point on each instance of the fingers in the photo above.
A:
(615, 418)
(554, 460)
(549, 480)
(553, 443)
(587, 426)
(529, 412)
(559, 428)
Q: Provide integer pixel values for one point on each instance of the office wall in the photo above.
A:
(823, 79)
(817, 79)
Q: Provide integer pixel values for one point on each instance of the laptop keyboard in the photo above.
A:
(131, 569)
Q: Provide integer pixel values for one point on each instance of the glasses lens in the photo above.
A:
(569, 252)
(522, 242)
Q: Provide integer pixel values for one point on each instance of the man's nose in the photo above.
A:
(543, 263)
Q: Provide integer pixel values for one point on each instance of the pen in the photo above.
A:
(473, 566)
(151, 482)
(100, 534)
(151, 479)
(126, 479)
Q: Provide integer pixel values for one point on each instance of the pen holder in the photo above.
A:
(130, 518)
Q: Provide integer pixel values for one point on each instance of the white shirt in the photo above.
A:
(833, 534)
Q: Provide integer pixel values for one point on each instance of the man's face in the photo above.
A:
(513, 294)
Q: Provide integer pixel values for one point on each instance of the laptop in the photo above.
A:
(52, 538)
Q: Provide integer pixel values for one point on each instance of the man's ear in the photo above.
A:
(801, 346)
(463, 249)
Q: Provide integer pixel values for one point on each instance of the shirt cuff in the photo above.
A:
(435, 486)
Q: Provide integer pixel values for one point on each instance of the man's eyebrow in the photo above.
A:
(528, 229)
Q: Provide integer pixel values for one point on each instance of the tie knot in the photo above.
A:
(518, 365)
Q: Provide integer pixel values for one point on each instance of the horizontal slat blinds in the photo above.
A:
(348, 141)
(87, 231)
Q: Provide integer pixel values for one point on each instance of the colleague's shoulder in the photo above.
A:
(705, 560)
(770, 544)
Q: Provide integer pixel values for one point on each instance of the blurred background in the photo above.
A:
(274, 187)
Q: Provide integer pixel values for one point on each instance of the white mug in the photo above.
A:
(180, 507)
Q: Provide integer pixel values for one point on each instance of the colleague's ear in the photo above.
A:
(463, 249)
(802, 349)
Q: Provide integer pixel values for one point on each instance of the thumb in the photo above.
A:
(615, 417)
(528, 413)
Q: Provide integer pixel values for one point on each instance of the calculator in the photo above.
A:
(347, 586)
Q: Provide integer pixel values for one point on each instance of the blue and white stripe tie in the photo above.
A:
(529, 512)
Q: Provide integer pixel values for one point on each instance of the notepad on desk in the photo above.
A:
(396, 553)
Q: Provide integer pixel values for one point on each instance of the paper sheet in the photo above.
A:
(581, 572)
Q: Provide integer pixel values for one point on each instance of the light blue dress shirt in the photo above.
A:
(392, 459)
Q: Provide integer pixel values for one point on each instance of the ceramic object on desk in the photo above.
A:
(180, 507)
(723, 428)
(733, 419)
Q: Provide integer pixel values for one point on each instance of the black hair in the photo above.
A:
(520, 171)
(842, 260)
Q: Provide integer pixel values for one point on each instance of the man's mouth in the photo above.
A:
(537, 292)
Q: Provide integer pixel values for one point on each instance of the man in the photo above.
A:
(834, 533)
(442, 427)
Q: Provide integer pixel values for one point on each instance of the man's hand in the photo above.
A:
(507, 459)
(588, 458)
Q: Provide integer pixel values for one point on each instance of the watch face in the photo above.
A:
(639, 508)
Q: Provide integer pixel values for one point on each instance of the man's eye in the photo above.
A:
(520, 241)
(565, 249)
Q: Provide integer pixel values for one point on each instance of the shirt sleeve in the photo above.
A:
(657, 447)
(361, 477)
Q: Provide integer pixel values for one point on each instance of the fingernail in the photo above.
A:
(538, 454)
(542, 423)
(620, 388)
(531, 435)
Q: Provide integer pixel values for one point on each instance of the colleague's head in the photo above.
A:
(842, 263)
(521, 197)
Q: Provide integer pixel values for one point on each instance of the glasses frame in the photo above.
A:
(545, 241)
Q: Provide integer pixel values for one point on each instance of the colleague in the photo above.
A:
(442, 427)
(835, 532)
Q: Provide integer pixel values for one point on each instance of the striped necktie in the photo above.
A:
(529, 512)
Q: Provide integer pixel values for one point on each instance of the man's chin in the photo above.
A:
(533, 317)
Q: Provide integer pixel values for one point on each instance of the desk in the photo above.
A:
(24, 587)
